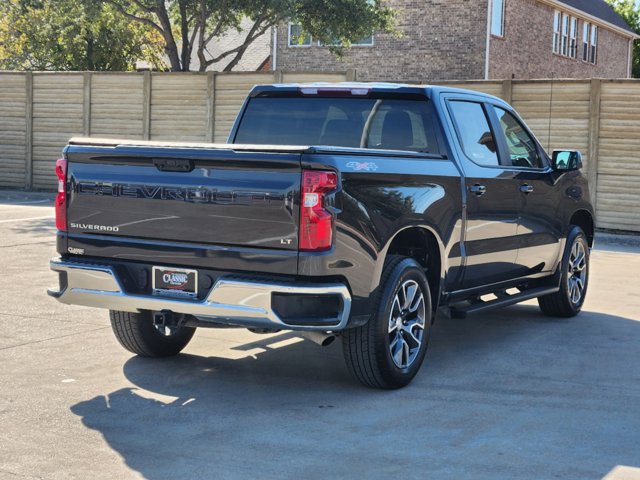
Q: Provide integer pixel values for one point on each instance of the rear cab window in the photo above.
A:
(372, 123)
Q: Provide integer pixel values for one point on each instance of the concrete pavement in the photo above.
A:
(511, 394)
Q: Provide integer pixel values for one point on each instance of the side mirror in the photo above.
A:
(566, 160)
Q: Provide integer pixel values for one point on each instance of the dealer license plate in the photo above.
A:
(175, 281)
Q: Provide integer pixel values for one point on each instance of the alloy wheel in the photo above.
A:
(406, 324)
(577, 275)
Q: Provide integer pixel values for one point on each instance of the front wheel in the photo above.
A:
(389, 350)
(137, 333)
(574, 279)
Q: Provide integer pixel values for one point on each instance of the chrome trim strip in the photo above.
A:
(231, 301)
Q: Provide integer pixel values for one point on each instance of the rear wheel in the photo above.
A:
(389, 350)
(137, 333)
(568, 301)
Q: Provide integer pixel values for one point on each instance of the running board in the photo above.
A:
(503, 300)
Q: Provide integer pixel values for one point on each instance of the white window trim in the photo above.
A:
(593, 44)
(584, 16)
(565, 35)
(502, 20)
(589, 43)
(297, 45)
(573, 37)
(586, 47)
(372, 44)
(557, 31)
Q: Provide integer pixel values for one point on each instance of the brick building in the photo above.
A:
(475, 39)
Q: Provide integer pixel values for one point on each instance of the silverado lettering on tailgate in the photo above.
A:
(182, 194)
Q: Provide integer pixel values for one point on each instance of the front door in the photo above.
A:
(539, 226)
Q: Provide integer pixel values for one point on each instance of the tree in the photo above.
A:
(191, 25)
(72, 35)
(630, 11)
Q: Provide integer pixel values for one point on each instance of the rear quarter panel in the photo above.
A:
(378, 198)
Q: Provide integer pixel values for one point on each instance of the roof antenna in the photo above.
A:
(550, 112)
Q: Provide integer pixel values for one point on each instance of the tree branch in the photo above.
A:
(131, 16)
(143, 7)
(258, 29)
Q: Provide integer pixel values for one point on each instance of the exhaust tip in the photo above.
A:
(322, 339)
(328, 340)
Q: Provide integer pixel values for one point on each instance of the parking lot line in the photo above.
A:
(26, 219)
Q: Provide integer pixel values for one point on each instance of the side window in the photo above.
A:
(474, 132)
(522, 148)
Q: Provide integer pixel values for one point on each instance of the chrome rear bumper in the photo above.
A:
(230, 301)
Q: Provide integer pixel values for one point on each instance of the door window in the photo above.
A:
(520, 144)
(474, 132)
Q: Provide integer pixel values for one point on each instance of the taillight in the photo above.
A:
(316, 222)
(61, 199)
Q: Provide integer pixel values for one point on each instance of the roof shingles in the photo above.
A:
(601, 10)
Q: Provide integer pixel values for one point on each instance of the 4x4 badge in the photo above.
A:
(366, 166)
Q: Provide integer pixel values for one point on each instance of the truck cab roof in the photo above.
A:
(362, 89)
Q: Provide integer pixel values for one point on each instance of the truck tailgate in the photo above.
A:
(218, 197)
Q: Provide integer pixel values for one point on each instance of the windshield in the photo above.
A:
(339, 122)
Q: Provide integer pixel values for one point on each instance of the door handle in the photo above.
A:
(526, 189)
(478, 190)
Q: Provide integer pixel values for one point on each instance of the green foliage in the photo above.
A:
(189, 26)
(113, 34)
(71, 35)
(630, 11)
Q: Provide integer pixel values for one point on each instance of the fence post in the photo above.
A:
(211, 106)
(507, 90)
(146, 106)
(28, 170)
(352, 75)
(594, 138)
(86, 108)
(278, 76)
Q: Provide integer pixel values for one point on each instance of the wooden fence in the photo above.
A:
(599, 117)
(39, 112)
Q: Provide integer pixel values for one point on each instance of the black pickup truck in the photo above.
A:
(351, 210)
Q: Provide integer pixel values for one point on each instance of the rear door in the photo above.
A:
(493, 200)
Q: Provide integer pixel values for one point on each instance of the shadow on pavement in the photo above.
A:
(509, 395)
(38, 226)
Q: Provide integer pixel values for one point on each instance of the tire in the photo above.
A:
(574, 279)
(137, 333)
(368, 349)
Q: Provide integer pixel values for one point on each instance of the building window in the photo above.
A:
(593, 52)
(589, 43)
(564, 50)
(557, 17)
(497, 18)
(573, 38)
(298, 37)
(585, 41)
(365, 42)
(565, 35)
